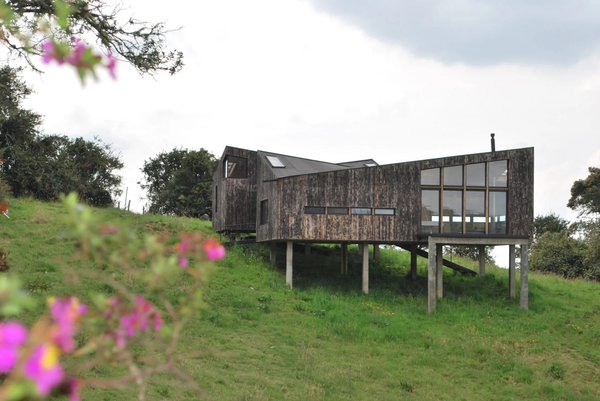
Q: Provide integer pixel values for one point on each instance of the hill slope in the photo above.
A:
(324, 340)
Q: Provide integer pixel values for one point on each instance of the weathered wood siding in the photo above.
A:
(266, 190)
(396, 186)
(234, 199)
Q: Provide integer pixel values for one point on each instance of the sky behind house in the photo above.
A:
(340, 80)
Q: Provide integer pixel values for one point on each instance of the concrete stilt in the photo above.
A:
(524, 277)
(511, 271)
(272, 253)
(481, 261)
(289, 258)
(439, 269)
(375, 251)
(413, 262)
(360, 250)
(365, 275)
(431, 276)
(238, 236)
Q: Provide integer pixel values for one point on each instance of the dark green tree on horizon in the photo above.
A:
(585, 194)
(179, 182)
(46, 166)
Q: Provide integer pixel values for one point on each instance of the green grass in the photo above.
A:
(325, 340)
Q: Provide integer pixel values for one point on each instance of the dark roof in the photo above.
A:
(300, 166)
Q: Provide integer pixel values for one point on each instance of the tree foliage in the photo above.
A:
(179, 182)
(585, 194)
(559, 254)
(46, 166)
(471, 252)
(550, 222)
(140, 43)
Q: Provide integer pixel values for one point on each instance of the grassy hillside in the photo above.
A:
(325, 340)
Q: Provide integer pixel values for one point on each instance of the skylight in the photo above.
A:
(275, 162)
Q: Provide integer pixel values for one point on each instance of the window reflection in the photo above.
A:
(475, 212)
(430, 177)
(430, 210)
(452, 211)
(453, 175)
(497, 212)
(476, 175)
(498, 174)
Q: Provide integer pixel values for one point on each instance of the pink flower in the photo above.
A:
(43, 369)
(74, 389)
(12, 335)
(66, 314)
(50, 52)
(112, 63)
(183, 262)
(214, 250)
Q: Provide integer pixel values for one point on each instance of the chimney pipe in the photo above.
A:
(493, 143)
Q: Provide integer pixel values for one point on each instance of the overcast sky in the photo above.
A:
(338, 80)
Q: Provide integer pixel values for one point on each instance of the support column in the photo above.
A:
(524, 277)
(375, 251)
(413, 262)
(238, 236)
(289, 258)
(344, 258)
(360, 250)
(431, 275)
(272, 254)
(307, 247)
(511, 271)
(439, 268)
(481, 260)
(365, 275)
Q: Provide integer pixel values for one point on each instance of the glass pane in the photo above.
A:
(498, 175)
(236, 167)
(453, 175)
(497, 213)
(430, 211)
(475, 212)
(453, 212)
(314, 210)
(476, 175)
(337, 210)
(384, 212)
(430, 177)
(361, 210)
(275, 162)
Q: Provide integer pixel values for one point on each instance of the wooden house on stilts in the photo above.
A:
(483, 199)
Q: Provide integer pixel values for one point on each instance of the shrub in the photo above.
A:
(559, 254)
(5, 192)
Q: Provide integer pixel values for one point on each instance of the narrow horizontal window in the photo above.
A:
(314, 210)
(384, 212)
(275, 162)
(337, 210)
(370, 164)
(361, 210)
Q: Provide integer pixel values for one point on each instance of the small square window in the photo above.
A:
(430, 176)
(275, 162)
(337, 210)
(236, 167)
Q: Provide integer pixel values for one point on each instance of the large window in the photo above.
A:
(236, 167)
(470, 198)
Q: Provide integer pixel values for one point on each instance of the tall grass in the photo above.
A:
(325, 340)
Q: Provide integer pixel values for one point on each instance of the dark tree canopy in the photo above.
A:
(179, 182)
(46, 166)
(585, 194)
(140, 43)
(551, 222)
